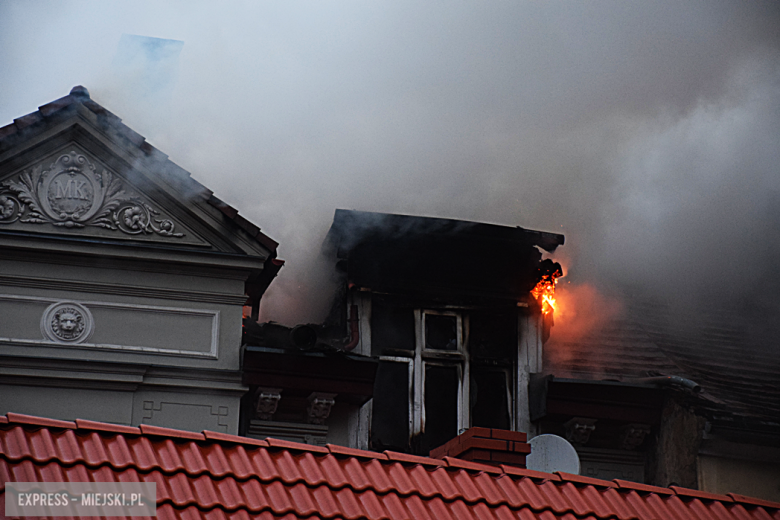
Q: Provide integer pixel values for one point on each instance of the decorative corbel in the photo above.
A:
(633, 435)
(319, 407)
(267, 400)
(578, 430)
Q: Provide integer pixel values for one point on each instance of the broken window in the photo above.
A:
(441, 332)
(493, 334)
(490, 397)
(392, 328)
(390, 422)
(443, 387)
(440, 399)
(441, 405)
(393, 341)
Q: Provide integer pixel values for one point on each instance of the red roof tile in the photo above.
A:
(579, 479)
(625, 484)
(148, 429)
(40, 421)
(683, 492)
(454, 462)
(412, 459)
(217, 436)
(529, 473)
(352, 452)
(754, 501)
(214, 475)
(83, 424)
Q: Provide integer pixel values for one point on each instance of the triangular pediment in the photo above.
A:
(73, 192)
(74, 170)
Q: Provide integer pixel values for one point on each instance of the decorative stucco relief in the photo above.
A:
(71, 192)
(67, 322)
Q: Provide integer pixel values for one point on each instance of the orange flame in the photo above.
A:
(544, 292)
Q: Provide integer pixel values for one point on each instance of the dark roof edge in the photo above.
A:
(344, 217)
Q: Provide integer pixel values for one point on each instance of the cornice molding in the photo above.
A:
(121, 290)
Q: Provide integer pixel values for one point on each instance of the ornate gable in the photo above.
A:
(73, 168)
(72, 191)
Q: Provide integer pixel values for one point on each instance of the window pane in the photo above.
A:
(441, 332)
(441, 406)
(493, 334)
(391, 328)
(390, 416)
(489, 398)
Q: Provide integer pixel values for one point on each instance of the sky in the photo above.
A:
(647, 132)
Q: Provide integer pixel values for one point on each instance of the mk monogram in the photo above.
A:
(72, 193)
(73, 190)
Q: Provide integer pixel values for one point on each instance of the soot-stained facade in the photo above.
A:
(433, 330)
(122, 280)
(306, 384)
(445, 307)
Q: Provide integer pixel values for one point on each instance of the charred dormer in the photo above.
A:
(436, 257)
(446, 307)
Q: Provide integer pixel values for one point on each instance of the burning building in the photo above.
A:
(450, 317)
(123, 285)
(445, 310)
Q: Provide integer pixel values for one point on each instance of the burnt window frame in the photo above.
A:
(410, 362)
(461, 358)
(510, 387)
(458, 358)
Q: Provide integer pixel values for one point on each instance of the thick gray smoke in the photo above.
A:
(647, 132)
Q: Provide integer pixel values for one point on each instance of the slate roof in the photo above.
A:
(213, 475)
(734, 362)
(29, 125)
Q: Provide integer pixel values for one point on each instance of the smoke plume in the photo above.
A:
(646, 132)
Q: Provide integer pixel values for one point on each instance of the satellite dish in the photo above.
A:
(550, 453)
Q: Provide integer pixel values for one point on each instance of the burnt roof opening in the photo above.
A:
(435, 256)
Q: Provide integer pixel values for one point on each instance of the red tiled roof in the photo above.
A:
(214, 475)
(20, 129)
